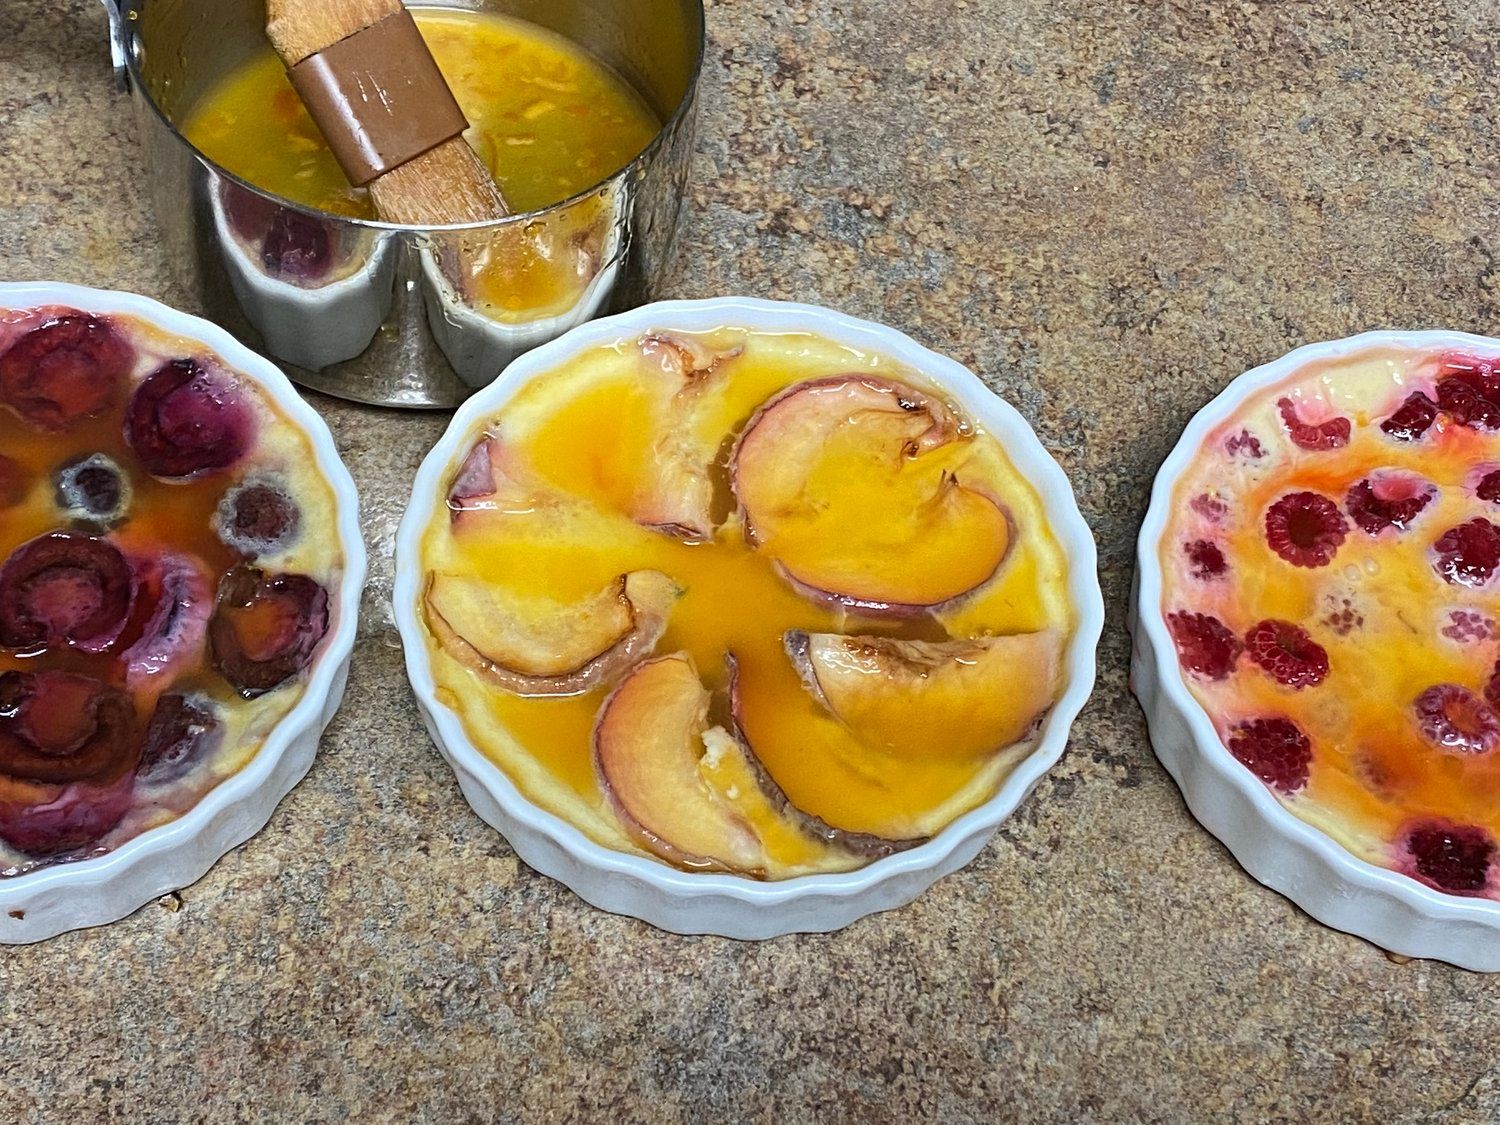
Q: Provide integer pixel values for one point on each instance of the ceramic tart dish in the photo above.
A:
(742, 617)
(1317, 626)
(180, 571)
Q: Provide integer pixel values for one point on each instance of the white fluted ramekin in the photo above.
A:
(1282, 851)
(92, 892)
(730, 905)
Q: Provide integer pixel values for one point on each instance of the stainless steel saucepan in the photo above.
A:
(407, 316)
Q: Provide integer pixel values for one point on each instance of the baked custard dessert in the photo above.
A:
(1329, 579)
(166, 557)
(744, 601)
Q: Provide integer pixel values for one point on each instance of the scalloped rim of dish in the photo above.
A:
(731, 905)
(109, 887)
(1303, 863)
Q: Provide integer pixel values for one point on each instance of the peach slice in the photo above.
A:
(866, 845)
(686, 358)
(693, 793)
(540, 647)
(492, 479)
(676, 497)
(654, 751)
(854, 484)
(931, 699)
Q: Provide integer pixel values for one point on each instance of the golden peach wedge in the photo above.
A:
(855, 486)
(658, 757)
(693, 792)
(535, 646)
(954, 699)
(676, 496)
(492, 479)
(865, 845)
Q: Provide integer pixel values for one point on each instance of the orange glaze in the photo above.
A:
(589, 432)
(1379, 609)
(548, 118)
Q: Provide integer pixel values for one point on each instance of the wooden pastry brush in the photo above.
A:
(371, 85)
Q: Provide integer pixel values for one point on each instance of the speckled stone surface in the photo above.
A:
(1108, 210)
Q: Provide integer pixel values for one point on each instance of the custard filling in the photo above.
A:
(848, 614)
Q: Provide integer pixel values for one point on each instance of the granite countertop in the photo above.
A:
(1108, 210)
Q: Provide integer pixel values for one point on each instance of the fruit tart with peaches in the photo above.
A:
(165, 568)
(744, 601)
(1331, 581)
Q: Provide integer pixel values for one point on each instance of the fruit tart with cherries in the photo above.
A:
(166, 562)
(744, 601)
(1331, 581)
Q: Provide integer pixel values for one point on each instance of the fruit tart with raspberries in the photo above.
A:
(1331, 582)
(166, 564)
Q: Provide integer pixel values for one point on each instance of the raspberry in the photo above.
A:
(1209, 507)
(1450, 857)
(1285, 650)
(1466, 626)
(1206, 559)
(1305, 529)
(1206, 648)
(1492, 689)
(1471, 394)
(1489, 487)
(1274, 750)
(1332, 434)
(1412, 419)
(1454, 718)
(1377, 503)
(1245, 442)
(1468, 555)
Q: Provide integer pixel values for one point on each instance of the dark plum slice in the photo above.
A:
(68, 368)
(183, 731)
(13, 482)
(64, 588)
(173, 637)
(297, 246)
(265, 628)
(94, 490)
(70, 821)
(188, 419)
(258, 517)
(58, 727)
